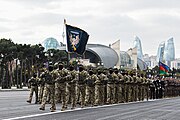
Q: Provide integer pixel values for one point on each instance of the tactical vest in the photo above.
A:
(90, 81)
(48, 78)
(82, 78)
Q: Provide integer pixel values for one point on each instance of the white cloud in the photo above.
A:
(32, 21)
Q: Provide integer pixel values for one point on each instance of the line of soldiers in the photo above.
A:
(91, 87)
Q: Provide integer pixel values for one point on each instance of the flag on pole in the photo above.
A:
(163, 68)
(76, 39)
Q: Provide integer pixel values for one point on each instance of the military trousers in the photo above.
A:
(60, 93)
(49, 90)
(71, 95)
(90, 95)
(34, 89)
(82, 90)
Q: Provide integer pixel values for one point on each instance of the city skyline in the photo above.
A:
(31, 21)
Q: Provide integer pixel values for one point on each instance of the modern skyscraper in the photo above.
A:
(160, 53)
(166, 52)
(169, 51)
(137, 44)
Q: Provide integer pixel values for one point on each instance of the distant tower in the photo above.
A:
(137, 44)
(160, 53)
(169, 51)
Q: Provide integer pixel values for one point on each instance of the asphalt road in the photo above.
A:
(13, 106)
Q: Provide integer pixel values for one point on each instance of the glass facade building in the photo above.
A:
(160, 53)
(137, 44)
(166, 52)
(169, 51)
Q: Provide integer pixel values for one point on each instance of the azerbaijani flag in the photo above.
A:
(163, 68)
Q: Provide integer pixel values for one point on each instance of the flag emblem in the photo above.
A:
(76, 39)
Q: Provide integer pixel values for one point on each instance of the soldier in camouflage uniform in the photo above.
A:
(127, 86)
(90, 88)
(34, 88)
(139, 82)
(60, 85)
(117, 86)
(71, 87)
(112, 77)
(143, 82)
(81, 84)
(131, 87)
(41, 84)
(135, 78)
(49, 89)
(99, 88)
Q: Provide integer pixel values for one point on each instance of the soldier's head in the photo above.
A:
(116, 71)
(91, 72)
(99, 72)
(142, 75)
(34, 75)
(60, 66)
(81, 68)
(110, 70)
(71, 67)
(50, 68)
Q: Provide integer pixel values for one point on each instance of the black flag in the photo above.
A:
(76, 39)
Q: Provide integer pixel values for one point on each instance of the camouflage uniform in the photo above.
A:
(118, 90)
(49, 89)
(71, 88)
(135, 78)
(112, 77)
(127, 87)
(121, 88)
(34, 88)
(60, 86)
(41, 83)
(90, 89)
(99, 88)
(81, 85)
(143, 79)
(139, 83)
(131, 88)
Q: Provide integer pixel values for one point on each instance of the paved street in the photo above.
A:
(13, 106)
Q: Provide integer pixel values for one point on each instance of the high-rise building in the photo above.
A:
(166, 52)
(169, 51)
(137, 44)
(160, 53)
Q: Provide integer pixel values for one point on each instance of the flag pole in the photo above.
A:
(64, 36)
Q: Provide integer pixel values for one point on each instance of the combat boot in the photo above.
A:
(28, 101)
(41, 108)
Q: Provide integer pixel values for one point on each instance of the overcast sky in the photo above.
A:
(153, 21)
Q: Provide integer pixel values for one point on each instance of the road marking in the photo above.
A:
(76, 109)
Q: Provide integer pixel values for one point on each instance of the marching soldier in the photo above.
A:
(100, 84)
(81, 84)
(127, 87)
(49, 89)
(118, 90)
(34, 88)
(90, 88)
(60, 84)
(152, 89)
(41, 86)
(71, 87)
(112, 77)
